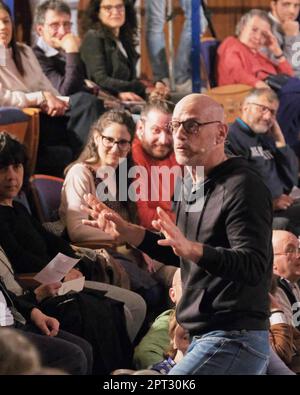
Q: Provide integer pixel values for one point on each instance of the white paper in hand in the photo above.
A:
(56, 269)
(72, 285)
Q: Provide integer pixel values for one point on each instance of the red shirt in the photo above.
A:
(147, 209)
(237, 64)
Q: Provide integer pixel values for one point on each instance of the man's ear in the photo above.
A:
(39, 29)
(273, 7)
(222, 133)
(172, 294)
(140, 129)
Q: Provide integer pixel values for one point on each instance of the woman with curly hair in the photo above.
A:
(108, 49)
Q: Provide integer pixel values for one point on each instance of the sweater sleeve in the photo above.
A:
(44, 83)
(67, 83)
(78, 181)
(19, 99)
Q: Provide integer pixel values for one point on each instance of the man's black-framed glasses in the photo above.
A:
(190, 126)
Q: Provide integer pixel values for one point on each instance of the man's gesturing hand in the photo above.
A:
(174, 238)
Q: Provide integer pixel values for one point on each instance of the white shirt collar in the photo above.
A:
(49, 51)
(273, 18)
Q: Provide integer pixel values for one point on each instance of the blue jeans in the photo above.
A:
(226, 353)
(155, 37)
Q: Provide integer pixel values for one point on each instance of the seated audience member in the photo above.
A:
(107, 151)
(152, 148)
(287, 294)
(64, 121)
(257, 136)
(57, 348)
(151, 348)
(108, 49)
(57, 48)
(285, 28)
(178, 345)
(30, 247)
(241, 61)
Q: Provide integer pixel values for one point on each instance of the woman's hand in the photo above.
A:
(159, 92)
(73, 274)
(261, 85)
(272, 43)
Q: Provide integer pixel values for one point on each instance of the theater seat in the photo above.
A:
(24, 125)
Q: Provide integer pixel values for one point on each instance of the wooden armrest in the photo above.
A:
(27, 281)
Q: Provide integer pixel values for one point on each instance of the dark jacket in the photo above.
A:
(65, 71)
(27, 244)
(107, 66)
(227, 289)
(277, 166)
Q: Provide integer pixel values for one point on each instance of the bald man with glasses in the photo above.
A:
(221, 241)
(257, 136)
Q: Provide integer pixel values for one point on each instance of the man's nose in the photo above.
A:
(62, 30)
(163, 138)
(10, 172)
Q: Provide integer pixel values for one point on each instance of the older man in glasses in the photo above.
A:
(57, 48)
(285, 314)
(257, 136)
(222, 243)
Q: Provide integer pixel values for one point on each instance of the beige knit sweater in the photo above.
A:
(23, 91)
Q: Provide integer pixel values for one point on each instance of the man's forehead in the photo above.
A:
(155, 116)
(265, 101)
(282, 239)
(52, 14)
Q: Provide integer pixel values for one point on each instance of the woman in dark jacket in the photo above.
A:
(108, 49)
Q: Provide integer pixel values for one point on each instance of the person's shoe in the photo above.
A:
(185, 87)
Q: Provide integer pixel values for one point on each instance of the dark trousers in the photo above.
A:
(62, 138)
(65, 351)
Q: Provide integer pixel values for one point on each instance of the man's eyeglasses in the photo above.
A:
(265, 109)
(56, 25)
(190, 126)
(109, 142)
(291, 251)
(109, 8)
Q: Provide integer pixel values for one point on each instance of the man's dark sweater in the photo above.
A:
(64, 70)
(277, 166)
(227, 289)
